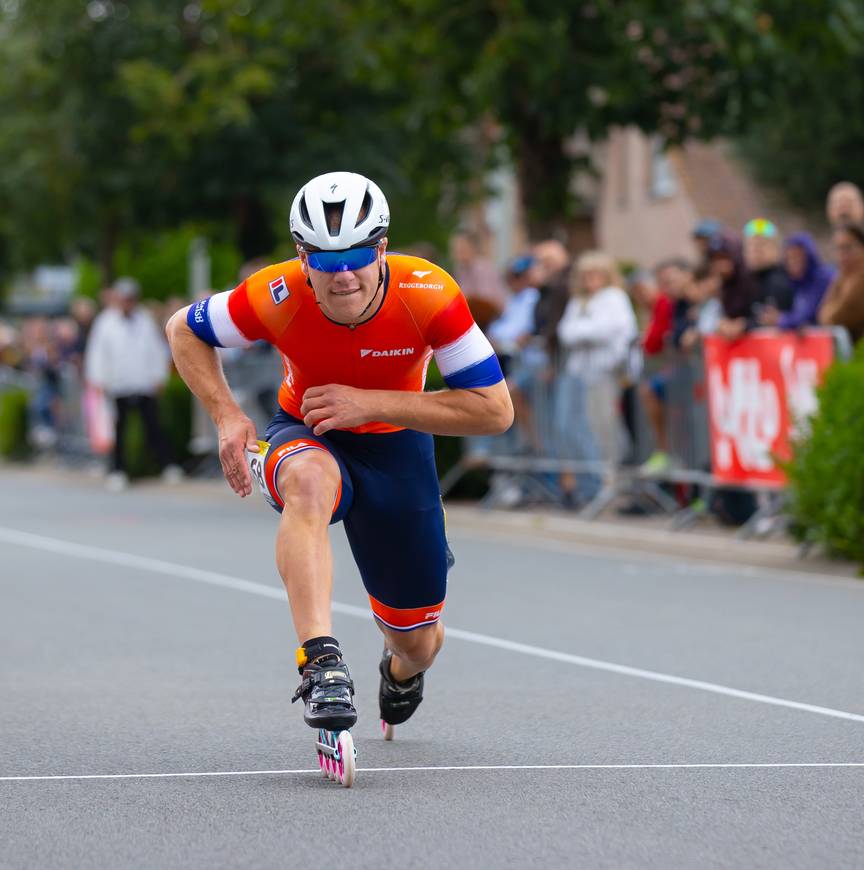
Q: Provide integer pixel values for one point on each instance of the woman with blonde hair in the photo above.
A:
(595, 333)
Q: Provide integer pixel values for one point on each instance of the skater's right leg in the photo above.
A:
(308, 484)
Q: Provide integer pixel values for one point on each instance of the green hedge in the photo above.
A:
(175, 414)
(827, 469)
(13, 424)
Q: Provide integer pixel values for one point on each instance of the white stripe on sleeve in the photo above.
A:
(223, 326)
(473, 347)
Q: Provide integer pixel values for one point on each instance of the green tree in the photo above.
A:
(122, 119)
(808, 129)
(544, 70)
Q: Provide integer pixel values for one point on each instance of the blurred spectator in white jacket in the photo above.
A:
(127, 358)
(595, 333)
(598, 325)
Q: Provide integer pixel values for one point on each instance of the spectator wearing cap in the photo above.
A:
(810, 279)
(702, 234)
(843, 304)
(844, 204)
(128, 359)
(763, 258)
(511, 331)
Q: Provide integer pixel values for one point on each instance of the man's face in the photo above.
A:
(760, 252)
(722, 266)
(845, 205)
(673, 280)
(550, 257)
(795, 261)
(462, 249)
(346, 296)
(127, 304)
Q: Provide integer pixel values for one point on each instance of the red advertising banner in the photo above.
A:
(759, 387)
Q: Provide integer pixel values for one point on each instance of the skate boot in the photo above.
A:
(397, 700)
(326, 688)
(328, 693)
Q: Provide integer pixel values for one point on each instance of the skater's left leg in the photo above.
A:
(413, 651)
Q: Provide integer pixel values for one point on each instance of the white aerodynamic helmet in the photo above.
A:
(339, 210)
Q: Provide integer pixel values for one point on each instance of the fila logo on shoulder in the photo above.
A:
(279, 290)
(422, 274)
(399, 351)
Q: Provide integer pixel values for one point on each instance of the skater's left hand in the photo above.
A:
(335, 406)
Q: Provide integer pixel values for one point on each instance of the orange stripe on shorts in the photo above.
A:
(404, 619)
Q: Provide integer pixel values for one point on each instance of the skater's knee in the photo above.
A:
(308, 484)
(418, 647)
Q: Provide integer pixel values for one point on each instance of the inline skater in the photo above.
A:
(356, 328)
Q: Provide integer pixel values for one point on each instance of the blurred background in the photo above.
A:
(616, 184)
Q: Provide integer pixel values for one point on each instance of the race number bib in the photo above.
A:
(257, 462)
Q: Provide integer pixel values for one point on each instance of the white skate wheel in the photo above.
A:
(347, 763)
(387, 729)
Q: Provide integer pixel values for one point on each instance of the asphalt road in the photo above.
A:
(625, 710)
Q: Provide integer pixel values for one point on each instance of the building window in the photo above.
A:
(663, 183)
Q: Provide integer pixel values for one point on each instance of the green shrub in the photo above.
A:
(827, 469)
(175, 415)
(13, 424)
(160, 262)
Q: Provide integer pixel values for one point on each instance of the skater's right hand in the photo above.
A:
(236, 434)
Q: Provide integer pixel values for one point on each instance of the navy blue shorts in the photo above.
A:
(390, 503)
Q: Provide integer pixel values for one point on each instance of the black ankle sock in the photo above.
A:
(317, 648)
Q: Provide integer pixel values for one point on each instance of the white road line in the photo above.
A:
(171, 569)
(468, 767)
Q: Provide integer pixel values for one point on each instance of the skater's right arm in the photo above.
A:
(200, 367)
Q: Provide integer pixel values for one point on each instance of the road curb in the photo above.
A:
(615, 536)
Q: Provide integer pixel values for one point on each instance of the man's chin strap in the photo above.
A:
(368, 306)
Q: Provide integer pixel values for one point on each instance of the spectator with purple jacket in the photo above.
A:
(810, 278)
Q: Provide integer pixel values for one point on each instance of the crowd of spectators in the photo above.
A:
(87, 371)
(581, 344)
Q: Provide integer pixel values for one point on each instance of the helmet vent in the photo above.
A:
(365, 208)
(333, 212)
(304, 213)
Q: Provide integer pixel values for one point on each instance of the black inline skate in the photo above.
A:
(328, 693)
(397, 700)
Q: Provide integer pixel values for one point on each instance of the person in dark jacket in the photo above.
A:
(762, 256)
(738, 288)
(810, 278)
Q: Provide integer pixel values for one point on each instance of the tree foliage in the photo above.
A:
(125, 118)
(808, 130)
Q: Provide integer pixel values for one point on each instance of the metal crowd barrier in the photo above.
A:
(528, 462)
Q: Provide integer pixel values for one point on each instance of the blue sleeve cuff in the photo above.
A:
(486, 373)
(198, 320)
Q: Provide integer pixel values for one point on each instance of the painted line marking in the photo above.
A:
(225, 581)
(466, 767)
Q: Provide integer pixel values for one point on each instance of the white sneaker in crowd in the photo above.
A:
(172, 474)
(116, 481)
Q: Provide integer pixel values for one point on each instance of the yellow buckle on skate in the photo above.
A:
(302, 658)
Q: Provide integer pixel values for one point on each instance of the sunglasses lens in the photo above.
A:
(342, 261)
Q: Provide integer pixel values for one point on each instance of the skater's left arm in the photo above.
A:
(483, 410)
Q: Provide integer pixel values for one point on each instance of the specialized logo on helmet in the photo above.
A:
(279, 290)
(333, 188)
(401, 351)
